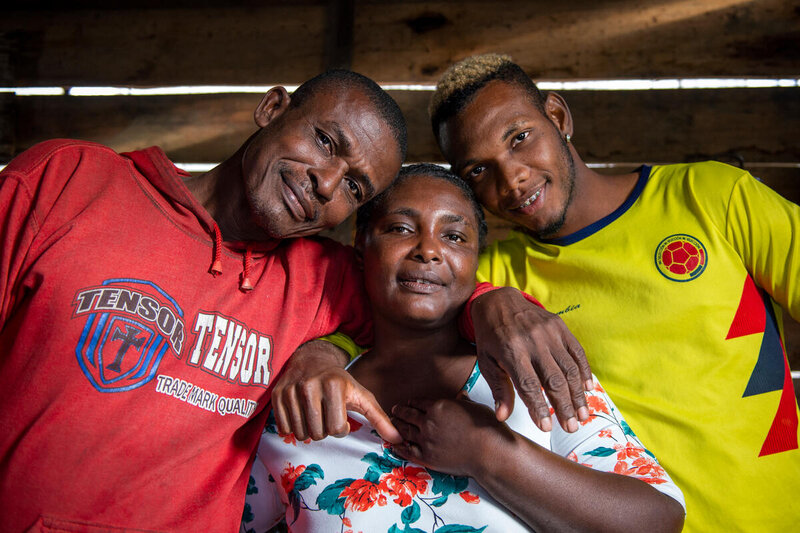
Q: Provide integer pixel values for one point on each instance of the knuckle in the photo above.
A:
(528, 385)
(555, 382)
(306, 389)
(541, 411)
(572, 372)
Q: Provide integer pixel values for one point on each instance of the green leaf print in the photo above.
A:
(410, 514)
(601, 452)
(626, 429)
(382, 463)
(446, 485)
(252, 488)
(329, 499)
(458, 528)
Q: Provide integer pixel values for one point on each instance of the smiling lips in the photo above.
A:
(421, 282)
(532, 198)
(296, 199)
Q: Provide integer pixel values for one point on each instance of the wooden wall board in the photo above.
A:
(582, 39)
(748, 125)
(249, 42)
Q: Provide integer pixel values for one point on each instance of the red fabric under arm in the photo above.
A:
(465, 324)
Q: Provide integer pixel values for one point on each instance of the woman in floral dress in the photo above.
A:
(458, 468)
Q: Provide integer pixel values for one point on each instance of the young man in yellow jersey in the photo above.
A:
(671, 277)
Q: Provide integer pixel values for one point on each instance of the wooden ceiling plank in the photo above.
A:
(399, 42)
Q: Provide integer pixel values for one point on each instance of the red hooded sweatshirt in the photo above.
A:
(133, 381)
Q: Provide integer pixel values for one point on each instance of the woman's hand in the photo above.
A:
(452, 436)
(313, 394)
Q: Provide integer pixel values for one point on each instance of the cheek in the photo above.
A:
(465, 268)
(485, 193)
(376, 277)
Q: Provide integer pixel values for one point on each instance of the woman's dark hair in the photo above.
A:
(429, 170)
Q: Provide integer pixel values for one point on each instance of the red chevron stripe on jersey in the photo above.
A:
(771, 372)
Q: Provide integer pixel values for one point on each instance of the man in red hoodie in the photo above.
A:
(144, 315)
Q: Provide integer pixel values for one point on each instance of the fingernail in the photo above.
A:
(589, 384)
(496, 406)
(572, 425)
(546, 424)
(583, 413)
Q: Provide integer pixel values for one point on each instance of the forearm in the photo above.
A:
(552, 493)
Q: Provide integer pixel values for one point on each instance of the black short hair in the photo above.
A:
(429, 170)
(385, 105)
(459, 84)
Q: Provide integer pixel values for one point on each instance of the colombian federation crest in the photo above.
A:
(681, 257)
(130, 326)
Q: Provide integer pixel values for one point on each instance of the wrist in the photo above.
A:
(490, 450)
(321, 354)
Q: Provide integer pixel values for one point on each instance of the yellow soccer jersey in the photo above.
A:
(670, 298)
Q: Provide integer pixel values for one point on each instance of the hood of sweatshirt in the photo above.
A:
(168, 180)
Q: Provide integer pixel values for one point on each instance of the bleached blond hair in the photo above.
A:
(459, 83)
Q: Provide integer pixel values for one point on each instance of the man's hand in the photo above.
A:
(516, 339)
(314, 393)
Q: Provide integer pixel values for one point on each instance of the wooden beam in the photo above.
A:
(248, 42)
(339, 41)
(746, 125)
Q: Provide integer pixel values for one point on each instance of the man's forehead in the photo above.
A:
(492, 115)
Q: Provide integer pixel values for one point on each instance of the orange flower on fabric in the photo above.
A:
(291, 439)
(290, 475)
(468, 497)
(604, 433)
(361, 495)
(647, 466)
(597, 404)
(404, 483)
(629, 451)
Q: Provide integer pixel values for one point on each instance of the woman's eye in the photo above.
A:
(521, 136)
(399, 229)
(455, 237)
(354, 188)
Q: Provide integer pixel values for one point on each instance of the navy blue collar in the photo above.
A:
(644, 173)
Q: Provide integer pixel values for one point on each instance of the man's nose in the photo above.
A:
(512, 175)
(326, 178)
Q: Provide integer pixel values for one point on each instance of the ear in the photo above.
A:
(556, 109)
(272, 105)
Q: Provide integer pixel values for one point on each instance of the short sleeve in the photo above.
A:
(762, 227)
(606, 442)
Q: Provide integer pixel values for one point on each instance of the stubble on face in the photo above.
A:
(567, 165)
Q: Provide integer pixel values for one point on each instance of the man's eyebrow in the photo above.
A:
(506, 134)
(367, 183)
(342, 140)
(510, 130)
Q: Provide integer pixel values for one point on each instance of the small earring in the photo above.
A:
(568, 138)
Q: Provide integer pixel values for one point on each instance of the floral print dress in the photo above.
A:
(357, 485)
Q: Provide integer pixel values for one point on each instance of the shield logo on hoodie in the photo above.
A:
(130, 325)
